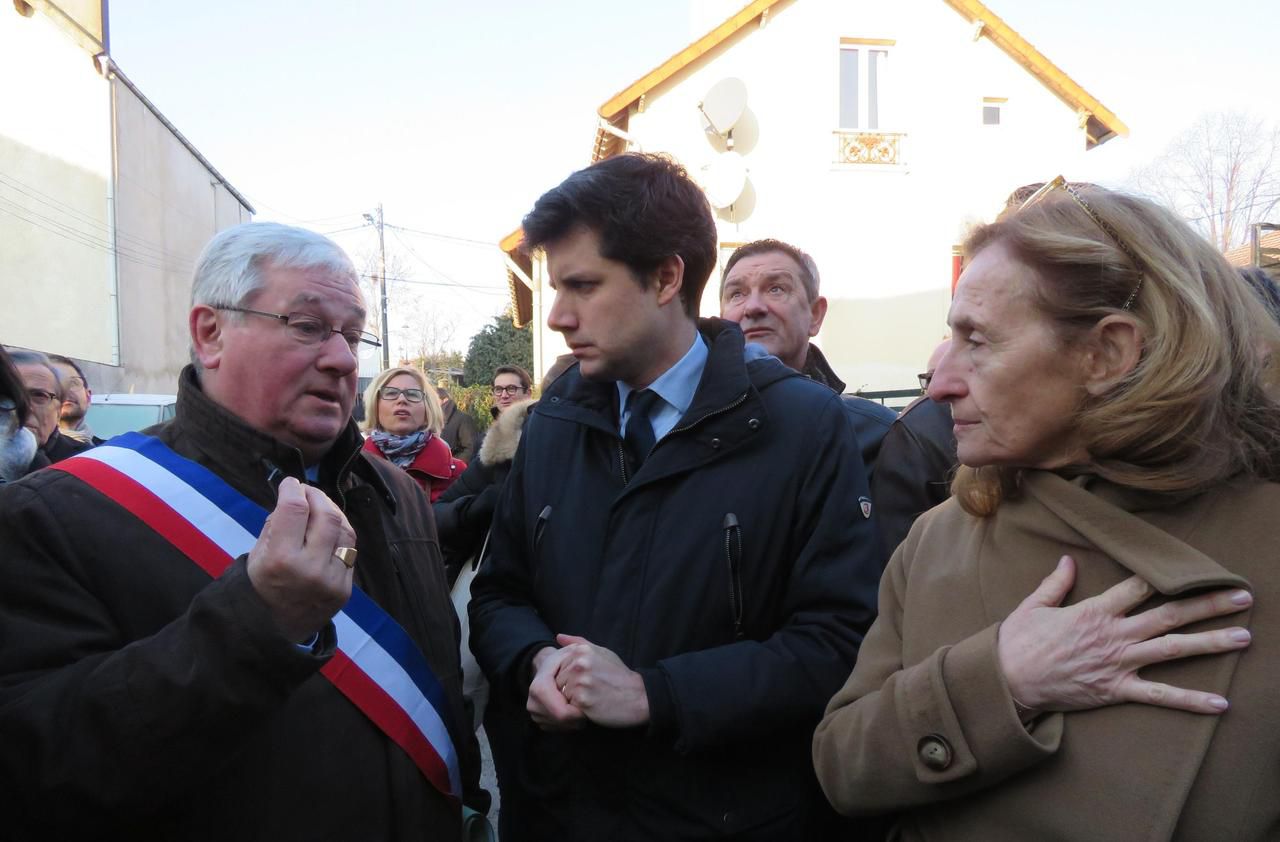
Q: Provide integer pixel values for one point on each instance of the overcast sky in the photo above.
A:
(456, 116)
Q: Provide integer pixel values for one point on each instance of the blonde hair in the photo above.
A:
(434, 420)
(1197, 408)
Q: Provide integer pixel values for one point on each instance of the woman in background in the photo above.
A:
(403, 419)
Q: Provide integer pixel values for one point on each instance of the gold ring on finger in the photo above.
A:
(346, 555)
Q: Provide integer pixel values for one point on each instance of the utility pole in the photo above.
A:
(382, 282)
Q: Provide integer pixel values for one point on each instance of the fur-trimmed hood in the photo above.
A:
(503, 436)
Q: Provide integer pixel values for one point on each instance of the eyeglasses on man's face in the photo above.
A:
(508, 390)
(39, 397)
(925, 379)
(390, 393)
(312, 330)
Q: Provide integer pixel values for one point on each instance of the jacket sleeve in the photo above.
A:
(897, 736)
(912, 474)
(899, 487)
(468, 435)
(97, 728)
(719, 696)
(506, 628)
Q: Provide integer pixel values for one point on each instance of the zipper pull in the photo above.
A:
(538, 528)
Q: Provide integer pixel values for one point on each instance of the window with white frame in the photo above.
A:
(863, 88)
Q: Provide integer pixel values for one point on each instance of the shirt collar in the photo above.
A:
(677, 384)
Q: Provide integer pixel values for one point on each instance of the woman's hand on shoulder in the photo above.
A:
(1088, 655)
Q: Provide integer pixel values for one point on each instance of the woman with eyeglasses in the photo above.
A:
(1082, 643)
(403, 420)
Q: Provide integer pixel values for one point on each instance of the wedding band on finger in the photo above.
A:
(346, 555)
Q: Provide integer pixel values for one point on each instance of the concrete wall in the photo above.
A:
(56, 265)
(882, 235)
(103, 210)
(169, 200)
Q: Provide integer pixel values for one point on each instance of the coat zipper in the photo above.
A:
(732, 539)
(622, 461)
(739, 402)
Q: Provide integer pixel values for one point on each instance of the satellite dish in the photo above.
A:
(726, 179)
(723, 105)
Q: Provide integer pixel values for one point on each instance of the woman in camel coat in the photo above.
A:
(1084, 642)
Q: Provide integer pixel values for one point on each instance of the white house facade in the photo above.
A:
(872, 135)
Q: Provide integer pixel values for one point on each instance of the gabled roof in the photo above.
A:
(1100, 123)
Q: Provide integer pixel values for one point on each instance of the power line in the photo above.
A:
(85, 239)
(100, 228)
(451, 281)
(453, 237)
(485, 290)
(344, 230)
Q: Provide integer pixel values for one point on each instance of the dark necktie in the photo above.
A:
(639, 436)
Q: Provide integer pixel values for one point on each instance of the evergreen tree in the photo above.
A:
(500, 343)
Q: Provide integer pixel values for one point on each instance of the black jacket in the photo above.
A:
(139, 700)
(465, 509)
(59, 447)
(916, 464)
(720, 571)
(461, 433)
(871, 420)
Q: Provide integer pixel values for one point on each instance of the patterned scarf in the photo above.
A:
(401, 450)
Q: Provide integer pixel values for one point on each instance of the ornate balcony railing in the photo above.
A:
(882, 148)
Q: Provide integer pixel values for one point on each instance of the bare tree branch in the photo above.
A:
(1222, 174)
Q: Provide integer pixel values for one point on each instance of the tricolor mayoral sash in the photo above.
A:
(376, 665)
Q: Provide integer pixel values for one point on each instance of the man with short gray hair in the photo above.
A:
(191, 648)
(770, 288)
(45, 392)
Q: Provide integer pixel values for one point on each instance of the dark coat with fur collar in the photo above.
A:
(465, 509)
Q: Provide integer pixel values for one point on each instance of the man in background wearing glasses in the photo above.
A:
(511, 385)
(76, 398)
(144, 696)
(44, 392)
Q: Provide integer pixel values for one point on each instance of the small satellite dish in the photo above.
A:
(723, 105)
(725, 180)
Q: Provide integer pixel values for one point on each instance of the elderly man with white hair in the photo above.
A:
(235, 625)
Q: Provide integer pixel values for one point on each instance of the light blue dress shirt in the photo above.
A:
(675, 387)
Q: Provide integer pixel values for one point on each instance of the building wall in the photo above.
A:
(882, 235)
(169, 200)
(55, 173)
(103, 211)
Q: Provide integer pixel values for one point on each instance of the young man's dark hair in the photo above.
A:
(644, 208)
(526, 381)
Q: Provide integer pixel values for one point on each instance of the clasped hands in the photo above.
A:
(582, 682)
(1088, 655)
